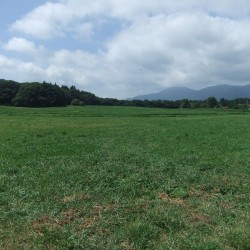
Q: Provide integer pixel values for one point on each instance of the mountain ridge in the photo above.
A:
(229, 92)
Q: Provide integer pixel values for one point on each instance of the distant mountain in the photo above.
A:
(178, 93)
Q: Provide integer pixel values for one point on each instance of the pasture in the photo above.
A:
(124, 178)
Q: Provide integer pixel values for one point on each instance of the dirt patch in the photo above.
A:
(199, 217)
(165, 197)
(164, 237)
(52, 223)
(190, 212)
(70, 214)
(45, 222)
(126, 245)
(94, 218)
(226, 205)
(76, 197)
(202, 194)
(89, 222)
(96, 215)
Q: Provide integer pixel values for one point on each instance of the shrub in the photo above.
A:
(77, 102)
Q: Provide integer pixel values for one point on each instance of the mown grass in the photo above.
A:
(124, 178)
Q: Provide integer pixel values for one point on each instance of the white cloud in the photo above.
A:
(20, 45)
(161, 44)
(20, 71)
(57, 19)
(44, 22)
(85, 30)
(179, 49)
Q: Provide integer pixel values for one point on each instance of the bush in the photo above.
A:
(77, 102)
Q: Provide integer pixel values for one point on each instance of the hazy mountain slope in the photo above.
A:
(226, 91)
(179, 93)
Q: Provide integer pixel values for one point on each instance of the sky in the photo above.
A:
(125, 48)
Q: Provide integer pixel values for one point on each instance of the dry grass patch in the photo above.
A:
(50, 223)
(76, 197)
(179, 201)
(127, 245)
(199, 217)
(201, 194)
(45, 222)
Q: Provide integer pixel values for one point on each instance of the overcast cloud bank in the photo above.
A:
(119, 48)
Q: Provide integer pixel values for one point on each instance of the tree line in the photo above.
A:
(34, 94)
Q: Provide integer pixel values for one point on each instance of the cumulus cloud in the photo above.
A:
(55, 19)
(20, 70)
(20, 45)
(158, 44)
(180, 49)
(58, 19)
(134, 10)
(44, 22)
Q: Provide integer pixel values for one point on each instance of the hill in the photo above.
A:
(178, 93)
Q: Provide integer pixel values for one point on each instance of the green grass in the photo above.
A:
(124, 178)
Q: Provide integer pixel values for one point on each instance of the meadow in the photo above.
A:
(124, 178)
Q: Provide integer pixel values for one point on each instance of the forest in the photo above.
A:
(35, 94)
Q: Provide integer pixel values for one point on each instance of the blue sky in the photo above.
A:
(11, 10)
(124, 48)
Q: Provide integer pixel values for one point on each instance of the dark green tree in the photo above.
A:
(39, 95)
(8, 90)
(212, 102)
(77, 102)
(224, 102)
(185, 103)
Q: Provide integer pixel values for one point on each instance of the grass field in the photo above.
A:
(124, 178)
